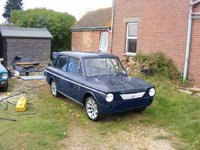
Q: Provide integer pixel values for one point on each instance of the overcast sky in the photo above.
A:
(76, 8)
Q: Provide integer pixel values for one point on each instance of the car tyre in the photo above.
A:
(54, 91)
(91, 108)
(139, 110)
(5, 89)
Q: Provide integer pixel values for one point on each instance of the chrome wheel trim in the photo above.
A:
(53, 88)
(91, 108)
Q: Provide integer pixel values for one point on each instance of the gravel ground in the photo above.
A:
(138, 138)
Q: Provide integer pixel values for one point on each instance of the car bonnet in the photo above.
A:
(119, 83)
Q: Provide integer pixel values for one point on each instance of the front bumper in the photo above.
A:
(125, 105)
(3, 83)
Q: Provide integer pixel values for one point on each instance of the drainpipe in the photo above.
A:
(189, 32)
(112, 24)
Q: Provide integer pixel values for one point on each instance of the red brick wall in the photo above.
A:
(162, 26)
(86, 41)
(194, 63)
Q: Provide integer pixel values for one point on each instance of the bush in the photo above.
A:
(57, 23)
(159, 65)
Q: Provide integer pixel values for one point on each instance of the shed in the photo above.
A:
(34, 43)
(92, 31)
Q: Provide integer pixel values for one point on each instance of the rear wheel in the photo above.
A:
(54, 91)
(92, 109)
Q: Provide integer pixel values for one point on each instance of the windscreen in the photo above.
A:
(102, 66)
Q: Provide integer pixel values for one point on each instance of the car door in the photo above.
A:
(74, 79)
(59, 64)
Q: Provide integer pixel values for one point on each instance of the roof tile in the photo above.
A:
(100, 18)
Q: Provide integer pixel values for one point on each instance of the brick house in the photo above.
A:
(141, 26)
(92, 31)
(34, 43)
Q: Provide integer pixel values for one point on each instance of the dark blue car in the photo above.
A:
(99, 82)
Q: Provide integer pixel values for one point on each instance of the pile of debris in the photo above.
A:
(136, 67)
(25, 65)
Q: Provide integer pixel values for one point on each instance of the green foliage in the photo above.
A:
(10, 6)
(57, 23)
(160, 65)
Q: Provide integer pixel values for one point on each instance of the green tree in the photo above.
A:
(10, 6)
(57, 23)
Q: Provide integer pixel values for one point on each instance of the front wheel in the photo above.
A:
(92, 109)
(54, 91)
(5, 89)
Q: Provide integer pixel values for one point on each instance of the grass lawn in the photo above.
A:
(176, 112)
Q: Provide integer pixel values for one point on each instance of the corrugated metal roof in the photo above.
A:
(25, 32)
(97, 19)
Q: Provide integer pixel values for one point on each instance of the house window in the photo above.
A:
(131, 38)
(103, 45)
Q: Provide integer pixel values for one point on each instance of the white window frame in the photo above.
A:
(103, 48)
(129, 38)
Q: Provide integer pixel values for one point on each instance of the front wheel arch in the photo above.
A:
(86, 95)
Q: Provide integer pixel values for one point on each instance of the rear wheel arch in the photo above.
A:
(50, 80)
(54, 89)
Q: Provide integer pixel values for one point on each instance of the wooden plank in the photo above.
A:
(27, 63)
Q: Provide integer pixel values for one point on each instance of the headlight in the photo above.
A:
(109, 97)
(152, 92)
(5, 76)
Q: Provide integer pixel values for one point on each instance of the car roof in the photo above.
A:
(87, 54)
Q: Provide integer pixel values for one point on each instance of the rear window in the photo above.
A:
(61, 62)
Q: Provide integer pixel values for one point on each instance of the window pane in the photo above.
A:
(132, 29)
(103, 41)
(62, 60)
(73, 66)
(102, 66)
(132, 45)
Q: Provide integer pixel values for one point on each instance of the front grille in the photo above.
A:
(132, 95)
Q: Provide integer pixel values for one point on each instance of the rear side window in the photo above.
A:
(61, 62)
(74, 66)
(69, 64)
